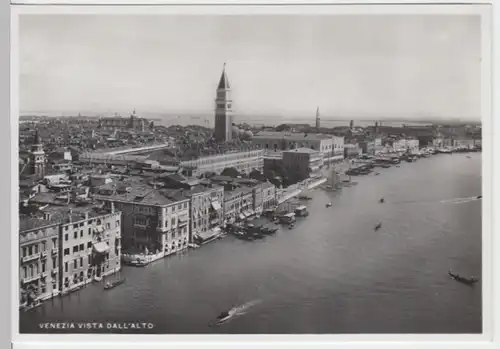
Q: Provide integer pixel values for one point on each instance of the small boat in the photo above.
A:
(467, 281)
(304, 197)
(221, 318)
(468, 157)
(291, 226)
(378, 226)
(479, 197)
(377, 173)
(113, 284)
(382, 200)
(329, 204)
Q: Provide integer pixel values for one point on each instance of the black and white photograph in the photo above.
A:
(251, 172)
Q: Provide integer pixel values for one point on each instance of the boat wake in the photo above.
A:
(238, 311)
(460, 200)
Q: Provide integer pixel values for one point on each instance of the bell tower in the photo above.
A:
(223, 113)
(38, 158)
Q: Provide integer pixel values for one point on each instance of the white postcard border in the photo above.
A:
(54, 340)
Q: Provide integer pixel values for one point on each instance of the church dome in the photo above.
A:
(248, 133)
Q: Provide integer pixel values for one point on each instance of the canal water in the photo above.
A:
(331, 274)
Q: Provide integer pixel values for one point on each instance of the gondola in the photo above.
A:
(479, 197)
(381, 200)
(377, 227)
(467, 281)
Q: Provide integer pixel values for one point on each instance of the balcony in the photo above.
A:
(30, 279)
(43, 254)
(54, 251)
(31, 257)
(54, 272)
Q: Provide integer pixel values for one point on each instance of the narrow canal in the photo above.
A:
(331, 274)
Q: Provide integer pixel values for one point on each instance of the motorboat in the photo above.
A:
(467, 281)
(222, 317)
(329, 204)
(382, 200)
(378, 226)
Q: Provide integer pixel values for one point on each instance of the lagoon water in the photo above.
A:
(331, 274)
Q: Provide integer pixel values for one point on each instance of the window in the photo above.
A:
(75, 264)
(54, 263)
(173, 208)
(65, 267)
(81, 261)
(89, 244)
(117, 223)
(24, 251)
(173, 221)
(90, 231)
(44, 245)
(75, 249)
(82, 247)
(66, 227)
(66, 251)
(75, 226)
(54, 243)
(25, 272)
(43, 267)
(81, 233)
(81, 224)
(108, 225)
(36, 248)
(65, 237)
(75, 234)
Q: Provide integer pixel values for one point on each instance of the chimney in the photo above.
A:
(70, 214)
(86, 216)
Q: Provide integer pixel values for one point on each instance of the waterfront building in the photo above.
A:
(90, 245)
(39, 265)
(247, 202)
(232, 205)
(268, 196)
(464, 143)
(206, 212)
(223, 113)
(66, 249)
(244, 161)
(302, 162)
(117, 122)
(153, 220)
(352, 150)
(332, 147)
(406, 144)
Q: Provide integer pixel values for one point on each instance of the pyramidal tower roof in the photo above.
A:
(224, 81)
(317, 112)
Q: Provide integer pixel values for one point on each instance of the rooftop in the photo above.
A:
(141, 193)
(301, 150)
(291, 136)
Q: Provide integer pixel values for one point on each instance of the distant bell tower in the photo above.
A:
(223, 113)
(351, 124)
(38, 158)
(318, 120)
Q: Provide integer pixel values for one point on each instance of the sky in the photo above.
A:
(356, 66)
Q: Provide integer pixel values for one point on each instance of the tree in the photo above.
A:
(255, 174)
(282, 127)
(230, 172)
